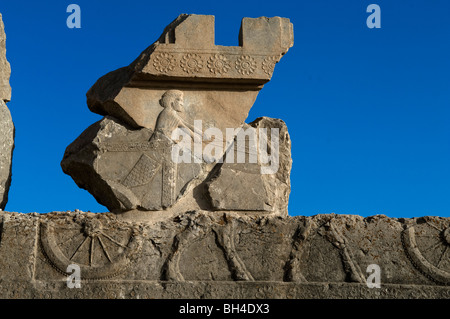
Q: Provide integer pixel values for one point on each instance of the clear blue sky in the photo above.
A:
(368, 110)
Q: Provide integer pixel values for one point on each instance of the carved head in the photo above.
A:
(173, 99)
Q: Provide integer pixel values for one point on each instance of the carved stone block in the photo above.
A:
(220, 83)
(242, 186)
(185, 82)
(6, 123)
(231, 255)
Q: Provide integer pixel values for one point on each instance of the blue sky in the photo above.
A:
(368, 110)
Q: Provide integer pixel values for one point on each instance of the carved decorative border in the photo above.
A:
(205, 63)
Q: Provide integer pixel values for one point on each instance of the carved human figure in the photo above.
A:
(169, 119)
(159, 157)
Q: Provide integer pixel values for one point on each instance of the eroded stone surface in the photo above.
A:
(255, 186)
(184, 81)
(214, 255)
(6, 123)
(127, 169)
(6, 151)
(220, 83)
(5, 69)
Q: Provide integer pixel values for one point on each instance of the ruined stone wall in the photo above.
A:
(223, 255)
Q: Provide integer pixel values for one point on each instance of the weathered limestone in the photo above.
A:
(5, 69)
(122, 169)
(184, 81)
(104, 160)
(220, 83)
(6, 152)
(6, 123)
(242, 187)
(229, 255)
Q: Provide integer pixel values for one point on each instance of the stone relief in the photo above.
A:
(100, 249)
(245, 65)
(121, 259)
(201, 230)
(293, 268)
(191, 63)
(181, 79)
(172, 62)
(335, 237)
(164, 62)
(194, 231)
(427, 243)
(157, 159)
(218, 64)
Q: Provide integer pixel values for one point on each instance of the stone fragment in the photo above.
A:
(183, 81)
(6, 123)
(220, 83)
(199, 255)
(5, 69)
(6, 152)
(255, 186)
(126, 169)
